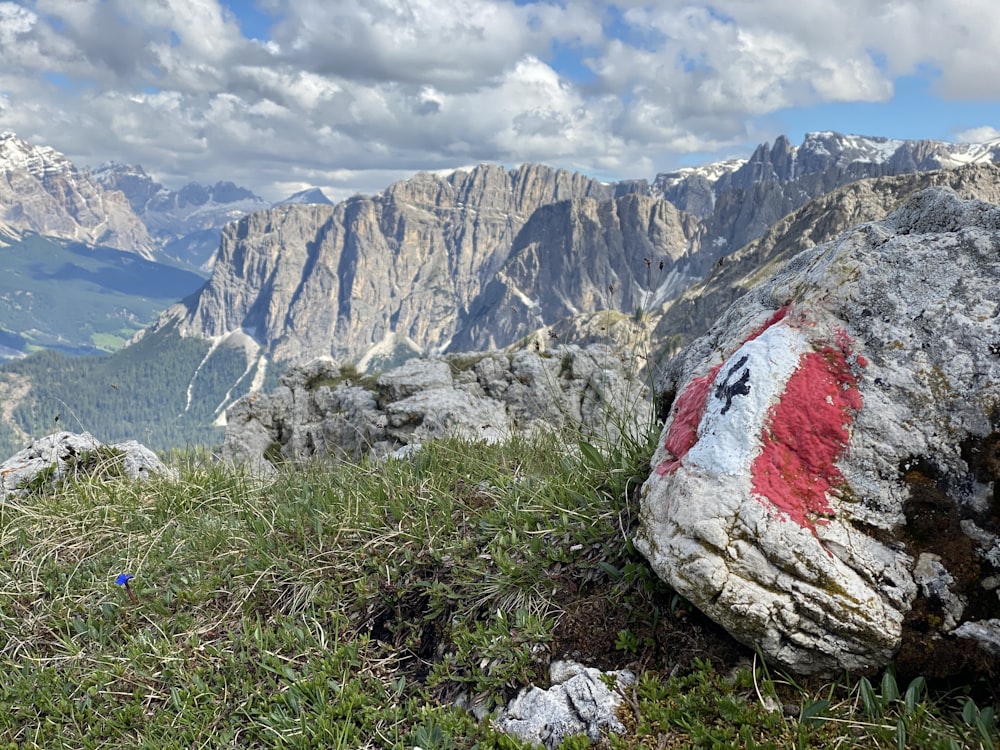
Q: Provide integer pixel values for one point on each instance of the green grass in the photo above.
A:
(108, 342)
(349, 606)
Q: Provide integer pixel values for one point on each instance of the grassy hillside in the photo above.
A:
(69, 297)
(350, 606)
(139, 393)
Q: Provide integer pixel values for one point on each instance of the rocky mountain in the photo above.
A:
(42, 191)
(820, 220)
(627, 254)
(739, 199)
(477, 259)
(485, 257)
(376, 278)
(692, 188)
(63, 228)
(309, 196)
(187, 223)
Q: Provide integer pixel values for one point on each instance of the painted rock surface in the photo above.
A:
(826, 485)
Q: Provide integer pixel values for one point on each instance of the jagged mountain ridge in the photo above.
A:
(187, 223)
(477, 259)
(82, 273)
(308, 196)
(115, 205)
(42, 191)
(438, 262)
(822, 219)
(739, 199)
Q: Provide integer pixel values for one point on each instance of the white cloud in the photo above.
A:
(346, 94)
(15, 20)
(202, 27)
(887, 39)
(455, 45)
(978, 135)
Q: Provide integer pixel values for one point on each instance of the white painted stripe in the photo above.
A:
(749, 383)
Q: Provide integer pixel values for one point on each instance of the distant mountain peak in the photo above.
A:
(779, 177)
(188, 221)
(115, 167)
(309, 196)
(710, 172)
(45, 192)
(17, 154)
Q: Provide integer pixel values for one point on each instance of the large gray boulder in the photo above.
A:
(826, 483)
(315, 409)
(62, 456)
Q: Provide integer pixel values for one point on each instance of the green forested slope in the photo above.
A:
(140, 393)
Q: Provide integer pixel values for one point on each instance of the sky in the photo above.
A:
(351, 95)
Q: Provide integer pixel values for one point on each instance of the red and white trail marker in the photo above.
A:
(777, 412)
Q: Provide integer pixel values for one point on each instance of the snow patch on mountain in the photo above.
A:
(711, 172)
(974, 153)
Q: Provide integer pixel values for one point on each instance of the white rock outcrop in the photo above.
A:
(66, 455)
(832, 441)
(579, 702)
(317, 410)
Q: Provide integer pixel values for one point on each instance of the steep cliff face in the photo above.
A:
(261, 260)
(42, 191)
(626, 254)
(478, 259)
(374, 274)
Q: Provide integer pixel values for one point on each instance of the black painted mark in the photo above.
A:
(726, 389)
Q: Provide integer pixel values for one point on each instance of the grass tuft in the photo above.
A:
(355, 605)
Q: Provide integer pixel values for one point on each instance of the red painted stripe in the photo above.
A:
(805, 433)
(688, 410)
(779, 315)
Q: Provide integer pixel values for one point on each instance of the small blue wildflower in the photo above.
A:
(122, 580)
